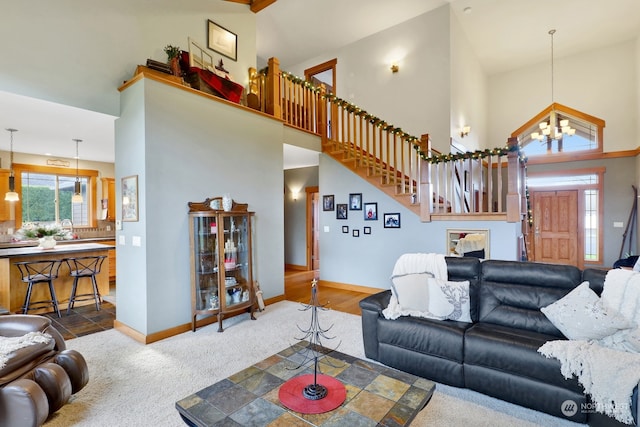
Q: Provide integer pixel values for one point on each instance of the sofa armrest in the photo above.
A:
(376, 302)
(371, 308)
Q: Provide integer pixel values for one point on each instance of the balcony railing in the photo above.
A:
(485, 184)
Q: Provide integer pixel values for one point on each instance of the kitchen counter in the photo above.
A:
(13, 289)
(34, 243)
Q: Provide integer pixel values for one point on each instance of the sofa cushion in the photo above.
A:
(410, 292)
(460, 269)
(514, 351)
(512, 293)
(442, 338)
(581, 315)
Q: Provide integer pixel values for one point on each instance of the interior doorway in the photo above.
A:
(313, 228)
(324, 73)
(556, 228)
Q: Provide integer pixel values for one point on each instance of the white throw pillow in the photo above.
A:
(581, 315)
(449, 300)
(410, 291)
(422, 295)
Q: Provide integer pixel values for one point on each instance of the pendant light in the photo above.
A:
(77, 194)
(11, 195)
(550, 131)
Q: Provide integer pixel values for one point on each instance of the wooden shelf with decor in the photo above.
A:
(220, 244)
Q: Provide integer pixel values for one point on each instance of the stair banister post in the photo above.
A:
(426, 187)
(322, 114)
(273, 89)
(514, 211)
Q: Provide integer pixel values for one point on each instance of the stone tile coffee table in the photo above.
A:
(376, 394)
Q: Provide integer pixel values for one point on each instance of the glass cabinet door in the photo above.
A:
(206, 263)
(237, 266)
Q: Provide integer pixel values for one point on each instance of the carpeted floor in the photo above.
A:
(136, 385)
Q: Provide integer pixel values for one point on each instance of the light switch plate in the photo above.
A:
(136, 241)
(618, 224)
(122, 240)
(118, 224)
(326, 228)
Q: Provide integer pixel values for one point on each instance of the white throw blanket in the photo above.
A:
(608, 374)
(10, 344)
(622, 293)
(415, 263)
(421, 263)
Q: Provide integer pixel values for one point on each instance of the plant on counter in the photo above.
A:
(32, 231)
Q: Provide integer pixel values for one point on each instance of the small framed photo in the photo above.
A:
(222, 40)
(356, 233)
(370, 211)
(392, 220)
(367, 230)
(327, 203)
(129, 193)
(355, 201)
(345, 229)
(341, 211)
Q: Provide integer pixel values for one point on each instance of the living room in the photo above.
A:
(154, 279)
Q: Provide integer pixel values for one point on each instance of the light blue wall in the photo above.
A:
(190, 148)
(368, 260)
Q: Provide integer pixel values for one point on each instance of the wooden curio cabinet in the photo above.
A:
(221, 260)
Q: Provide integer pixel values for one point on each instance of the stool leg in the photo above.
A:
(54, 299)
(72, 298)
(96, 293)
(27, 299)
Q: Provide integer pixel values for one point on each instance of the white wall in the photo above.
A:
(185, 147)
(417, 97)
(468, 92)
(78, 53)
(602, 83)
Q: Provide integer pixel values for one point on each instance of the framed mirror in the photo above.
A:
(468, 242)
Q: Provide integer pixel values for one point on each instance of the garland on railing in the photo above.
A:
(354, 109)
(475, 155)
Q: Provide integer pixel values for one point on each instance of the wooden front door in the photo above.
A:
(555, 227)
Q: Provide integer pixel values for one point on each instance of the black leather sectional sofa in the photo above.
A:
(497, 353)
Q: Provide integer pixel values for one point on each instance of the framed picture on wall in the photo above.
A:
(130, 198)
(222, 40)
(355, 201)
(327, 203)
(341, 211)
(370, 211)
(391, 220)
(367, 230)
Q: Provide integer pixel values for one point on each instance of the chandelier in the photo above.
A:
(556, 127)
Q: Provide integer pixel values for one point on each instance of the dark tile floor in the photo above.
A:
(84, 320)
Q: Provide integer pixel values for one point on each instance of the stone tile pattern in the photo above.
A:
(376, 395)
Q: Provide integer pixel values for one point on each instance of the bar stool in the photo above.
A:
(43, 271)
(87, 266)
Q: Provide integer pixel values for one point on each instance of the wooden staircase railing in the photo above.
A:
(435, 186)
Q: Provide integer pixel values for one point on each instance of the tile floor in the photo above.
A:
(84, 320)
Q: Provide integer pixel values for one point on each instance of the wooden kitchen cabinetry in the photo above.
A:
(5, 207)
(109, 197)
(221, 260)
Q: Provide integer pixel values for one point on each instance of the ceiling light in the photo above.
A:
(11, 195)
(77, 193)
(549, 131)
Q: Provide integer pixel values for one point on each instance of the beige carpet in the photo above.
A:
(136, 385)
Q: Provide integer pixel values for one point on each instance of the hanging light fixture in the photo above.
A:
(11, 195)
(77, 194)
(550, 131)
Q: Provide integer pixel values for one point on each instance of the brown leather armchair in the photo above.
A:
(38, 379)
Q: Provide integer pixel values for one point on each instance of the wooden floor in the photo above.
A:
(297, 287)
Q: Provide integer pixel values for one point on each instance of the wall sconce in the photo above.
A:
(465, 131)
(294, 195)
(395, 67)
